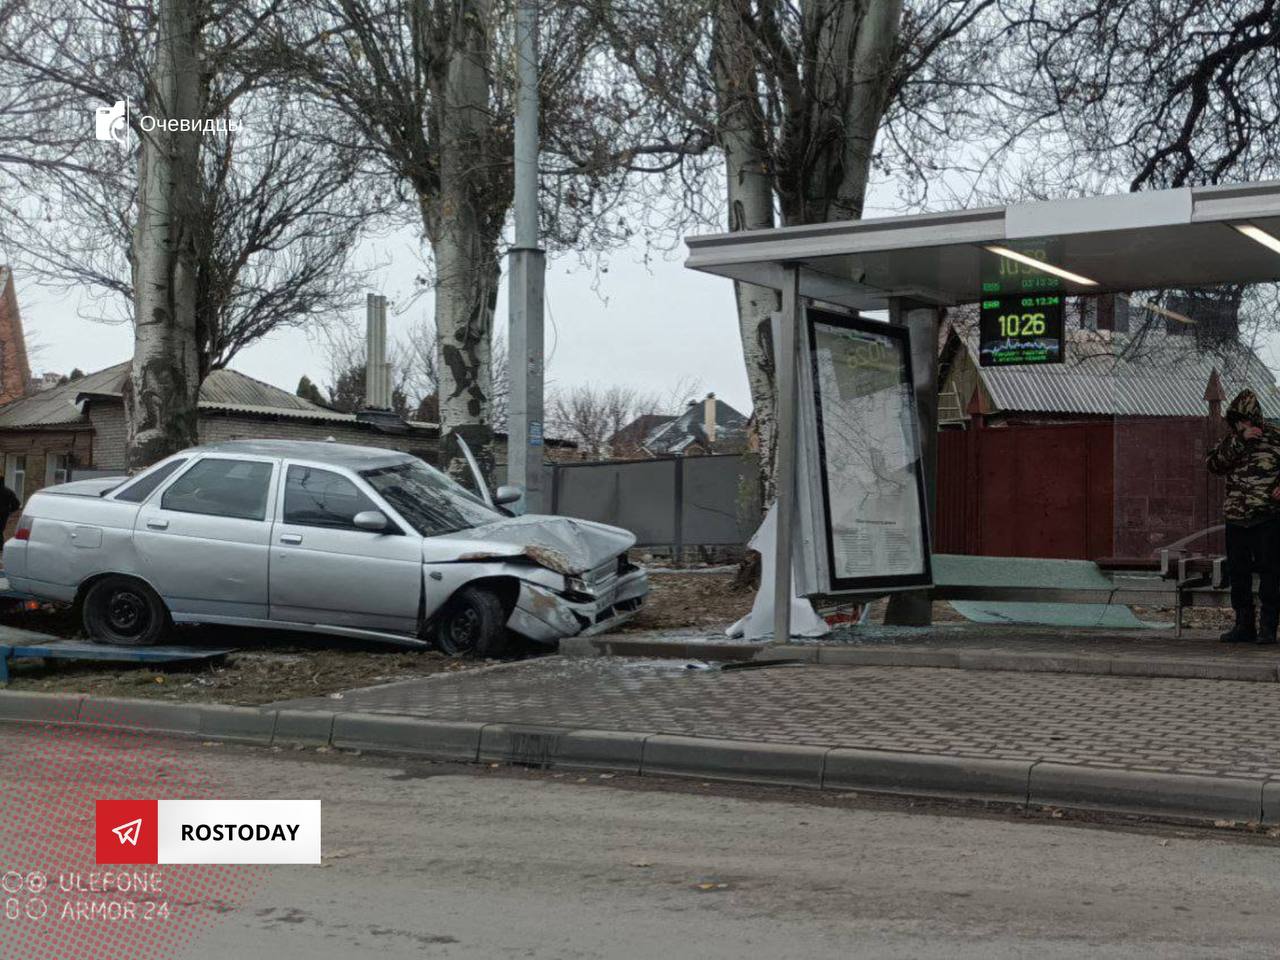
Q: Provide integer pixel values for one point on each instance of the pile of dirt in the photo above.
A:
(692, 599)
(246, 677)
(268, 666)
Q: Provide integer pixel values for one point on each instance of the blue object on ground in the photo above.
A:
(55, 649)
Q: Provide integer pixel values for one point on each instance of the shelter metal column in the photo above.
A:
(786, 358)
(915, 607)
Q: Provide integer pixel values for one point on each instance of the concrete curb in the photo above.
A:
(914, 774)
(40, 707)
(1025, 782)
(430, 739)
(737, 760)
(938, 657)
(534, 745)
(1183, 796)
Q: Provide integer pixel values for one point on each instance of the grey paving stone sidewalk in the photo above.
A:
(1063, 641)
(1208, 727)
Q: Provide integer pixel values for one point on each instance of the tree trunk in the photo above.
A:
(848, 56)
(162, 390)
(464, 223)
(873, 49)
(750, 201)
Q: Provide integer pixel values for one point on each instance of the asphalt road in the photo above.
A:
(444, 861)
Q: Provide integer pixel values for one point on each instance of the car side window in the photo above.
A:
(222, 488)
(141, 488)
(322, 498)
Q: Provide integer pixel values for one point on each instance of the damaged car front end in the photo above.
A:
(572, 577)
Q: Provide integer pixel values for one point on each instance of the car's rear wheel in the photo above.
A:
(125, 612)
(473, 622)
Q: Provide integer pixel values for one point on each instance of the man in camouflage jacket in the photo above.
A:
(1249, 458)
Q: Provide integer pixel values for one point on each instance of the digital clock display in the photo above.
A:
(1021, 329)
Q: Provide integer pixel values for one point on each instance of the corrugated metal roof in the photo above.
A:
(310, 413)
(1161, 376)
(57, 405)
(226, 390)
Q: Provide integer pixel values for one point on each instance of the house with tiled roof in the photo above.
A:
(705, 426)
(78, 427)
(59, 430)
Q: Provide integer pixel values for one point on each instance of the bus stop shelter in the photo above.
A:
(914, 266)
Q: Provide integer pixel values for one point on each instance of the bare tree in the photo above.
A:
(799, 96)
(1165, 93)
(1159, 94)
(594, 415)
(226, 235)
(430, 86)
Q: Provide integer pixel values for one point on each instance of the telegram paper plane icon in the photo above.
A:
(128, 832)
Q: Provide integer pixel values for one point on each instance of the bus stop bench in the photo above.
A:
(1195, 583)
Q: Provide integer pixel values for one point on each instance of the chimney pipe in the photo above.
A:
(709, 417)
(377, 372)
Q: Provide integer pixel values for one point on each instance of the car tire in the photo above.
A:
(473, 622)
(124, 612)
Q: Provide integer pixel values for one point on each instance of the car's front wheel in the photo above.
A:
(125, 612)
(473, 622)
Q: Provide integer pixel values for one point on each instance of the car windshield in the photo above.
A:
(431, 502)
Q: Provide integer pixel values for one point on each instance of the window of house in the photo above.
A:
(140, 489)
(222, 488)
(15, 474)
(322, 498)
(57, 468)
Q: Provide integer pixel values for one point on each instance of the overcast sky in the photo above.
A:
(651, 326)
(655, 325)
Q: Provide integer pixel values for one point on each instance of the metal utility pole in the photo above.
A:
(527, 266)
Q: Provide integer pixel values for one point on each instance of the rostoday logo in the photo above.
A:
(208, 831)
(113, 123)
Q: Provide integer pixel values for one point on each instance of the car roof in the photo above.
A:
(338, 454)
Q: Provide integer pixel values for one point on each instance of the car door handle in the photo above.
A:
(290, 538)
(158, 524)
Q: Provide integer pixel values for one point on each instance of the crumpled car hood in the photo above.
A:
(563, 544)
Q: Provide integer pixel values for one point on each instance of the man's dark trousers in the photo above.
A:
(1254, 548)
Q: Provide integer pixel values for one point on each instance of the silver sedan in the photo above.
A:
(321, 537)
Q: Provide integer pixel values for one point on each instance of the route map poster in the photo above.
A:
(869, 454)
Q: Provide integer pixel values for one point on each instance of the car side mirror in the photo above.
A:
(507, 493)
(374, 521)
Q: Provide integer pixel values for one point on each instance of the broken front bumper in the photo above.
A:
(546, 616)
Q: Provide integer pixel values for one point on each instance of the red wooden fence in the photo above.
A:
(1123, 487)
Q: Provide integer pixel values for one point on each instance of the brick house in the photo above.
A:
(79, 426)
(53, 431)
